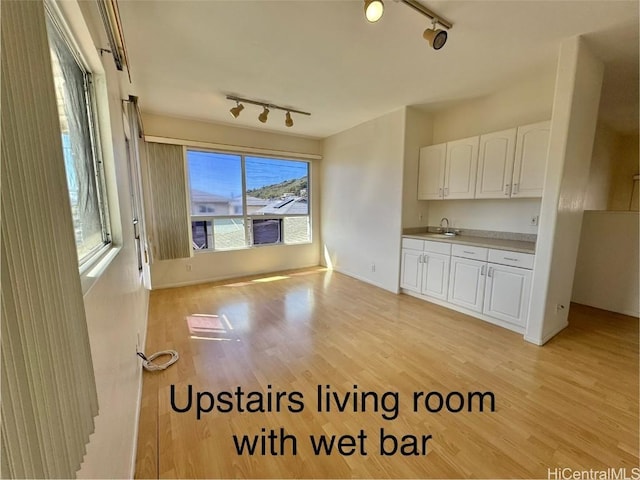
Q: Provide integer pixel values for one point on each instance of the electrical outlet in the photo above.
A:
(188, 267)
(373, 267)
(533, 221)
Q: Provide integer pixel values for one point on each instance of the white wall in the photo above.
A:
(573, 125)
(512, 215)
(212, 266)
(605, 145)
(607, 268)
(624, 168)
(116, 303)
(526, 101)
(362, 199)
(418, 133)
(187, 129)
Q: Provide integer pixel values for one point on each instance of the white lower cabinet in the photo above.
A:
(425, 267)
(467, 278)
(411, 271)
(435, 275)
(506, 295)
(467, 283)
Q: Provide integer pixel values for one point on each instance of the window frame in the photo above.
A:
(58, 22)
(245, 216)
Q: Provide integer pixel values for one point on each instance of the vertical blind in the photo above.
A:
(48, 387)
(169, 208)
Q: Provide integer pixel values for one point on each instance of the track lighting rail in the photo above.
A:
(265, 105)
(417, 6)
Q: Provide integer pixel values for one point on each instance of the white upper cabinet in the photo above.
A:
(460, 168)
(530, 160)
(431, 173)
(495, 164)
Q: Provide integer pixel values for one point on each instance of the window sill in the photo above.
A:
(252, 247)
(91, 271)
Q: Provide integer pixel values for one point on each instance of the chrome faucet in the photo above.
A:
(446, 230)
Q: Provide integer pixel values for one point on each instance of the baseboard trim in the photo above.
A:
(548, 336)
(365, 280)
(230, 277)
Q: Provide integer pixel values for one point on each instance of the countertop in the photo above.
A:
(498, 243)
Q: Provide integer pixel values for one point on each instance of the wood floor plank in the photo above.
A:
(572, 403)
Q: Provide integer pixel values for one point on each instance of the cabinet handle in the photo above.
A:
(512, 259)
(515, 189)
(482, 270)
(420, 259)
(468, 252)
(446, 191)
(507, 190)
(440, 192)
(490, 272)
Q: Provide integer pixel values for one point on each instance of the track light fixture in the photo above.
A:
(263, 116)
(436, 37)
(266, 108)
(235, 111)
(373, 10)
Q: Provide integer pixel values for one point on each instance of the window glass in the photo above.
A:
(216, 184)
(297, 230)
(229, 233)
(237, 199)
(277, 186)
(86, 194)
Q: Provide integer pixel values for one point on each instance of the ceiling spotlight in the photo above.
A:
(288, 120)
(263, 116)
(235, 111)
(435, 36)
(373, 10)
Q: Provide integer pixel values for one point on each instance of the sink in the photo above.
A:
(442, 235)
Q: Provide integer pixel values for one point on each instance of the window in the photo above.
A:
(84, 175)
(239, 201)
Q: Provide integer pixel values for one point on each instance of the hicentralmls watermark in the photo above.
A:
(559, 473)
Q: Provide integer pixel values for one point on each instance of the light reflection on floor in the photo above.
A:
(210, 327)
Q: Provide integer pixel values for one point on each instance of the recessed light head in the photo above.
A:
(436, 37)
(235, 111)
(373, 10)
(263, 116)
(288, 120)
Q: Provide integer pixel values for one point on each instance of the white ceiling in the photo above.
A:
(325, 58)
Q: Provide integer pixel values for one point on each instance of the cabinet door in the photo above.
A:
(466, 283)
(435, 275)
(461, 168)
(495, 164)
(431, 173)
(530, 160)
(507, 293)
(411, 270)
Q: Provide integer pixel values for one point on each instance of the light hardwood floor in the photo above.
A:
(572, 403)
